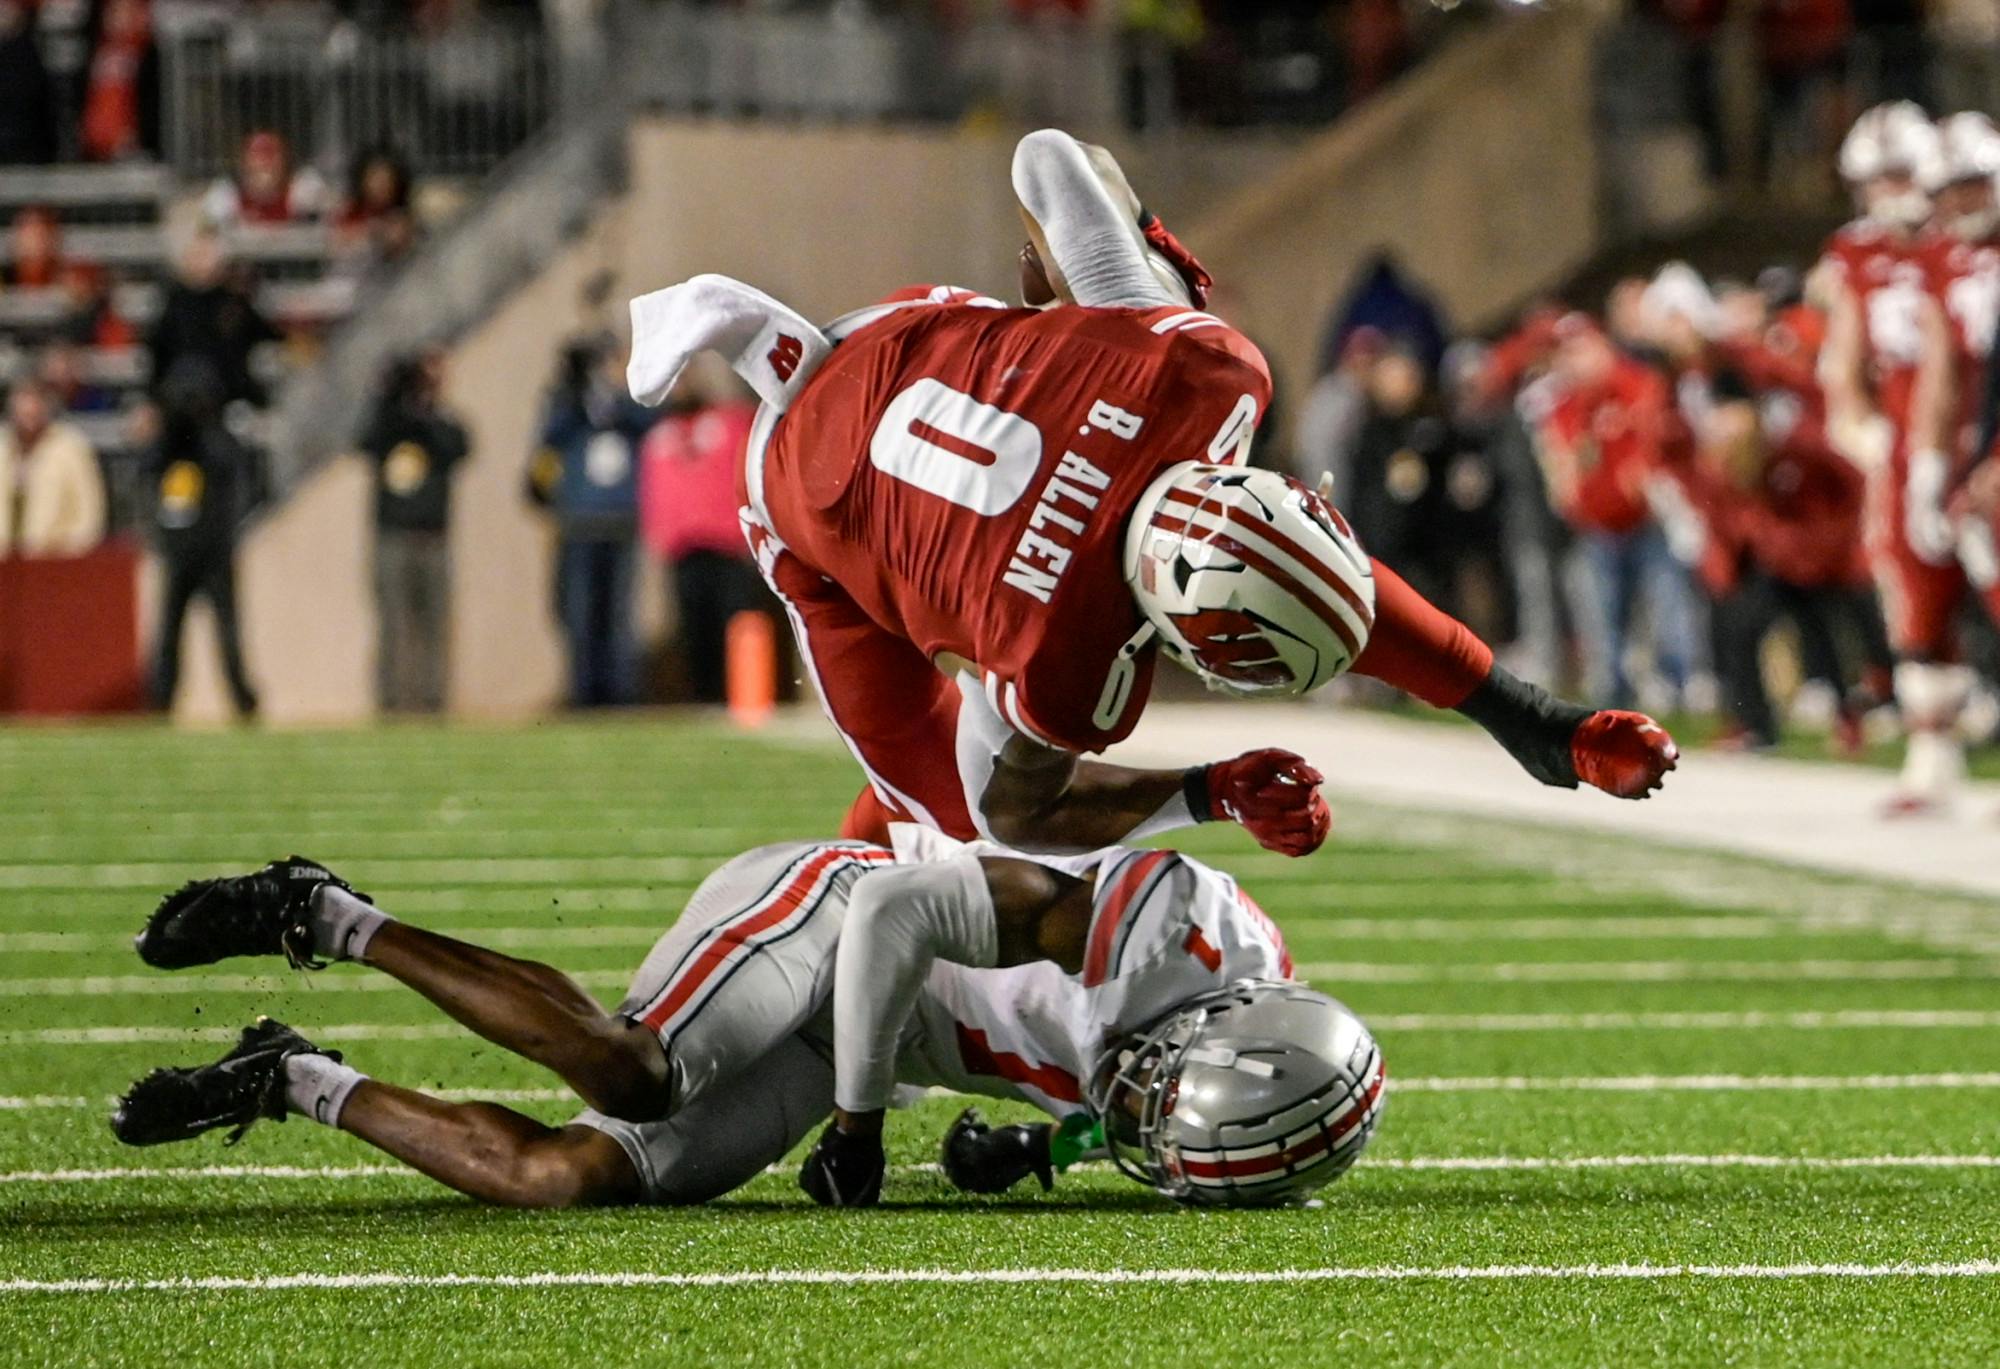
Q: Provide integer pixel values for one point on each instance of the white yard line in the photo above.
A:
(1851, 1019)
(37, 1101)
(129, 1036)
(1631, 971)
(850, 1277)
(1531, 1163)
(145, 1175)
(1412, 1164)
(137, 985)
(392, 872)
(1703, 1083)
(510, 938)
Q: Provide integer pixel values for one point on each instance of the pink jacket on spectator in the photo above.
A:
(688, 468)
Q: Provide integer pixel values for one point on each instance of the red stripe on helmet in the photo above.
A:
(1271, 570)
(1285, 544)
(1323, 1140)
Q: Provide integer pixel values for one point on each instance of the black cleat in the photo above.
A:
(265, 913)
(235, 1091)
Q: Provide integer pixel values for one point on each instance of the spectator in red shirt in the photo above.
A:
(688, 505)
(1779, 532)
(266, 190)
(121, 103)
(1608, 434)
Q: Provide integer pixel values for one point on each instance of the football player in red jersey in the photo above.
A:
(1962, 258)
(1881, 311)
(1961, 262)
(986, 523)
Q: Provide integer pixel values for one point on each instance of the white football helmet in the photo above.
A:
(1960, 172)
(1251, 580)
(1966, 148)
(1891, 140)
(1250, 1096)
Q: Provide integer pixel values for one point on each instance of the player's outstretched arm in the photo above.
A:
(1043, 799)
(1426, 652)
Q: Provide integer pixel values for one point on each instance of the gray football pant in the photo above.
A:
(740, 993)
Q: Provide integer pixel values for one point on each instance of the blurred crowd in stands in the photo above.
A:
(1638, 496)
(140, 349)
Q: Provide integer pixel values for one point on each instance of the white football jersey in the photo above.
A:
(1164, 928)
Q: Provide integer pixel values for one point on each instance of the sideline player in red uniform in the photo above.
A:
(1962, 266)
(1962, 258)
(986, 522)
(1881, 309)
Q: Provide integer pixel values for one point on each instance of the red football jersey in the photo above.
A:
(1965, 281)
(1617, 434)
(965, 473)
(1888, 278)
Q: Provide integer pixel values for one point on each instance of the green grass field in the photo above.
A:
(1629, 1125)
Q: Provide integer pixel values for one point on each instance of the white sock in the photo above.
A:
(1096, 245)
(1934, 765)
(342, 924)
(317, 1086)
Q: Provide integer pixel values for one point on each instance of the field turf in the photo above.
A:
(1682, 1111)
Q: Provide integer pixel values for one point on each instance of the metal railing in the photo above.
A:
(461, 100)
(453, 103)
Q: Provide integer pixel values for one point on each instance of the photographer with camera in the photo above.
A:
(586, 476)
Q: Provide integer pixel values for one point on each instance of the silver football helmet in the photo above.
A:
(1250, 1096)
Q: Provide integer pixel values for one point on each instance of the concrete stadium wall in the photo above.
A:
(827, 219)
(1479, 170)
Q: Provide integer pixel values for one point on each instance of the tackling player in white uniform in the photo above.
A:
(1139, 990)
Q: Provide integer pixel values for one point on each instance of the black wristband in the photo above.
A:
(1194, 789)
(1532, 724)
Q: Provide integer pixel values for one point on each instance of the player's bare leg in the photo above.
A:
(535, 1011)
(491, 1152)
(480, 1149)
(300, 909)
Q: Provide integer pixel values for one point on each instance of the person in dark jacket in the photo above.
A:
(27, 95)
(414, 444)
(210, 314)
(204, 481)
(1422, 496)
(586, 474)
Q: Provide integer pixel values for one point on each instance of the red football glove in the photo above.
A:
(1275, 796)
(1627, 755)
(1199, 282)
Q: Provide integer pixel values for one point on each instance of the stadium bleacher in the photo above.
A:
(119, 219)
